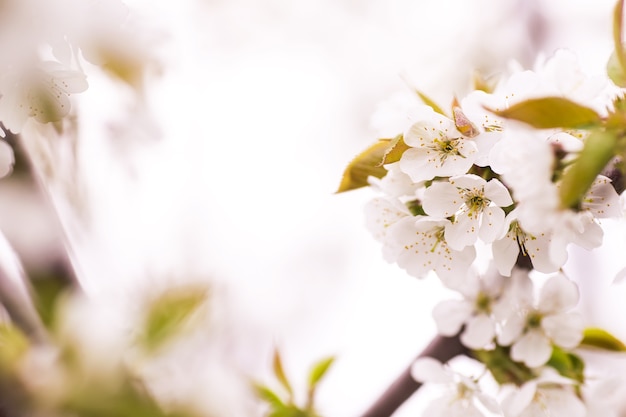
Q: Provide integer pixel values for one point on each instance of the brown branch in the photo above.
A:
(441, 348)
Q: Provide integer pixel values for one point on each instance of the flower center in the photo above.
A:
(447, 147)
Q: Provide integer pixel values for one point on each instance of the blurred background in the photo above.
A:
(230, 173)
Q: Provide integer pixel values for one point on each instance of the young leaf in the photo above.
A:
(319, 370)
(169, 313)
(598, 150)
(567, 364)
(615, 71)
(279, 371)
(367, 163)
(551, 112)
(269, 396)
(430, 102)
(601, 339)
(395, 150)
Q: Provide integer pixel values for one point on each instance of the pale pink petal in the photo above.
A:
(533, 348)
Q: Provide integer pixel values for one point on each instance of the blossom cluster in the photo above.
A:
(501, 173)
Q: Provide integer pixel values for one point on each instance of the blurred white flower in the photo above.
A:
(544, 397)
(463, 397)
(42, 92)
(419, 246)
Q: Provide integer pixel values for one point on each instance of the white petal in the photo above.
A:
(7, 158)
(511, 330)
(602, 199)
(450, 315)
(498, 193)
(479, 332)
(463, 232)
(505, 252)
(442, 199)
(415, 162)
(533, 348)
(546, 256)
(468, 181)
(565, 330)
(430, 370)
(558, 294)
(561, 402)
(492, 224)
(516, 402)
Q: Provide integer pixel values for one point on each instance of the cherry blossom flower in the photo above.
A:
(42, 93)
(544, 256)
(462, 397)
(474, 203)
(477, 311)
(437, 149)
(419, 246)
(532, 328)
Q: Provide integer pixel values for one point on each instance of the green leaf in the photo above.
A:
(269, 396)
(279, 371)
(13, 345)
(567, 364)
(601, 339)
(551, 112)
(504, 369)
(319, 370)
(615, 71)
(617, 68)
(169, 313)
(395, 150)
(430, 102)
(599, 148)
(367, 163)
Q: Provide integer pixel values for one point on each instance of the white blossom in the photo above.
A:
(476, 311)
(543, 398)
(474, 203)
(462, 397)
(437, 149)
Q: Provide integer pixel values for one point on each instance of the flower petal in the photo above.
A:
(491, 224)
(565, 330)
(479, 332)
(558, 294)
(430, 370)
(533, 348)
(450, 315)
